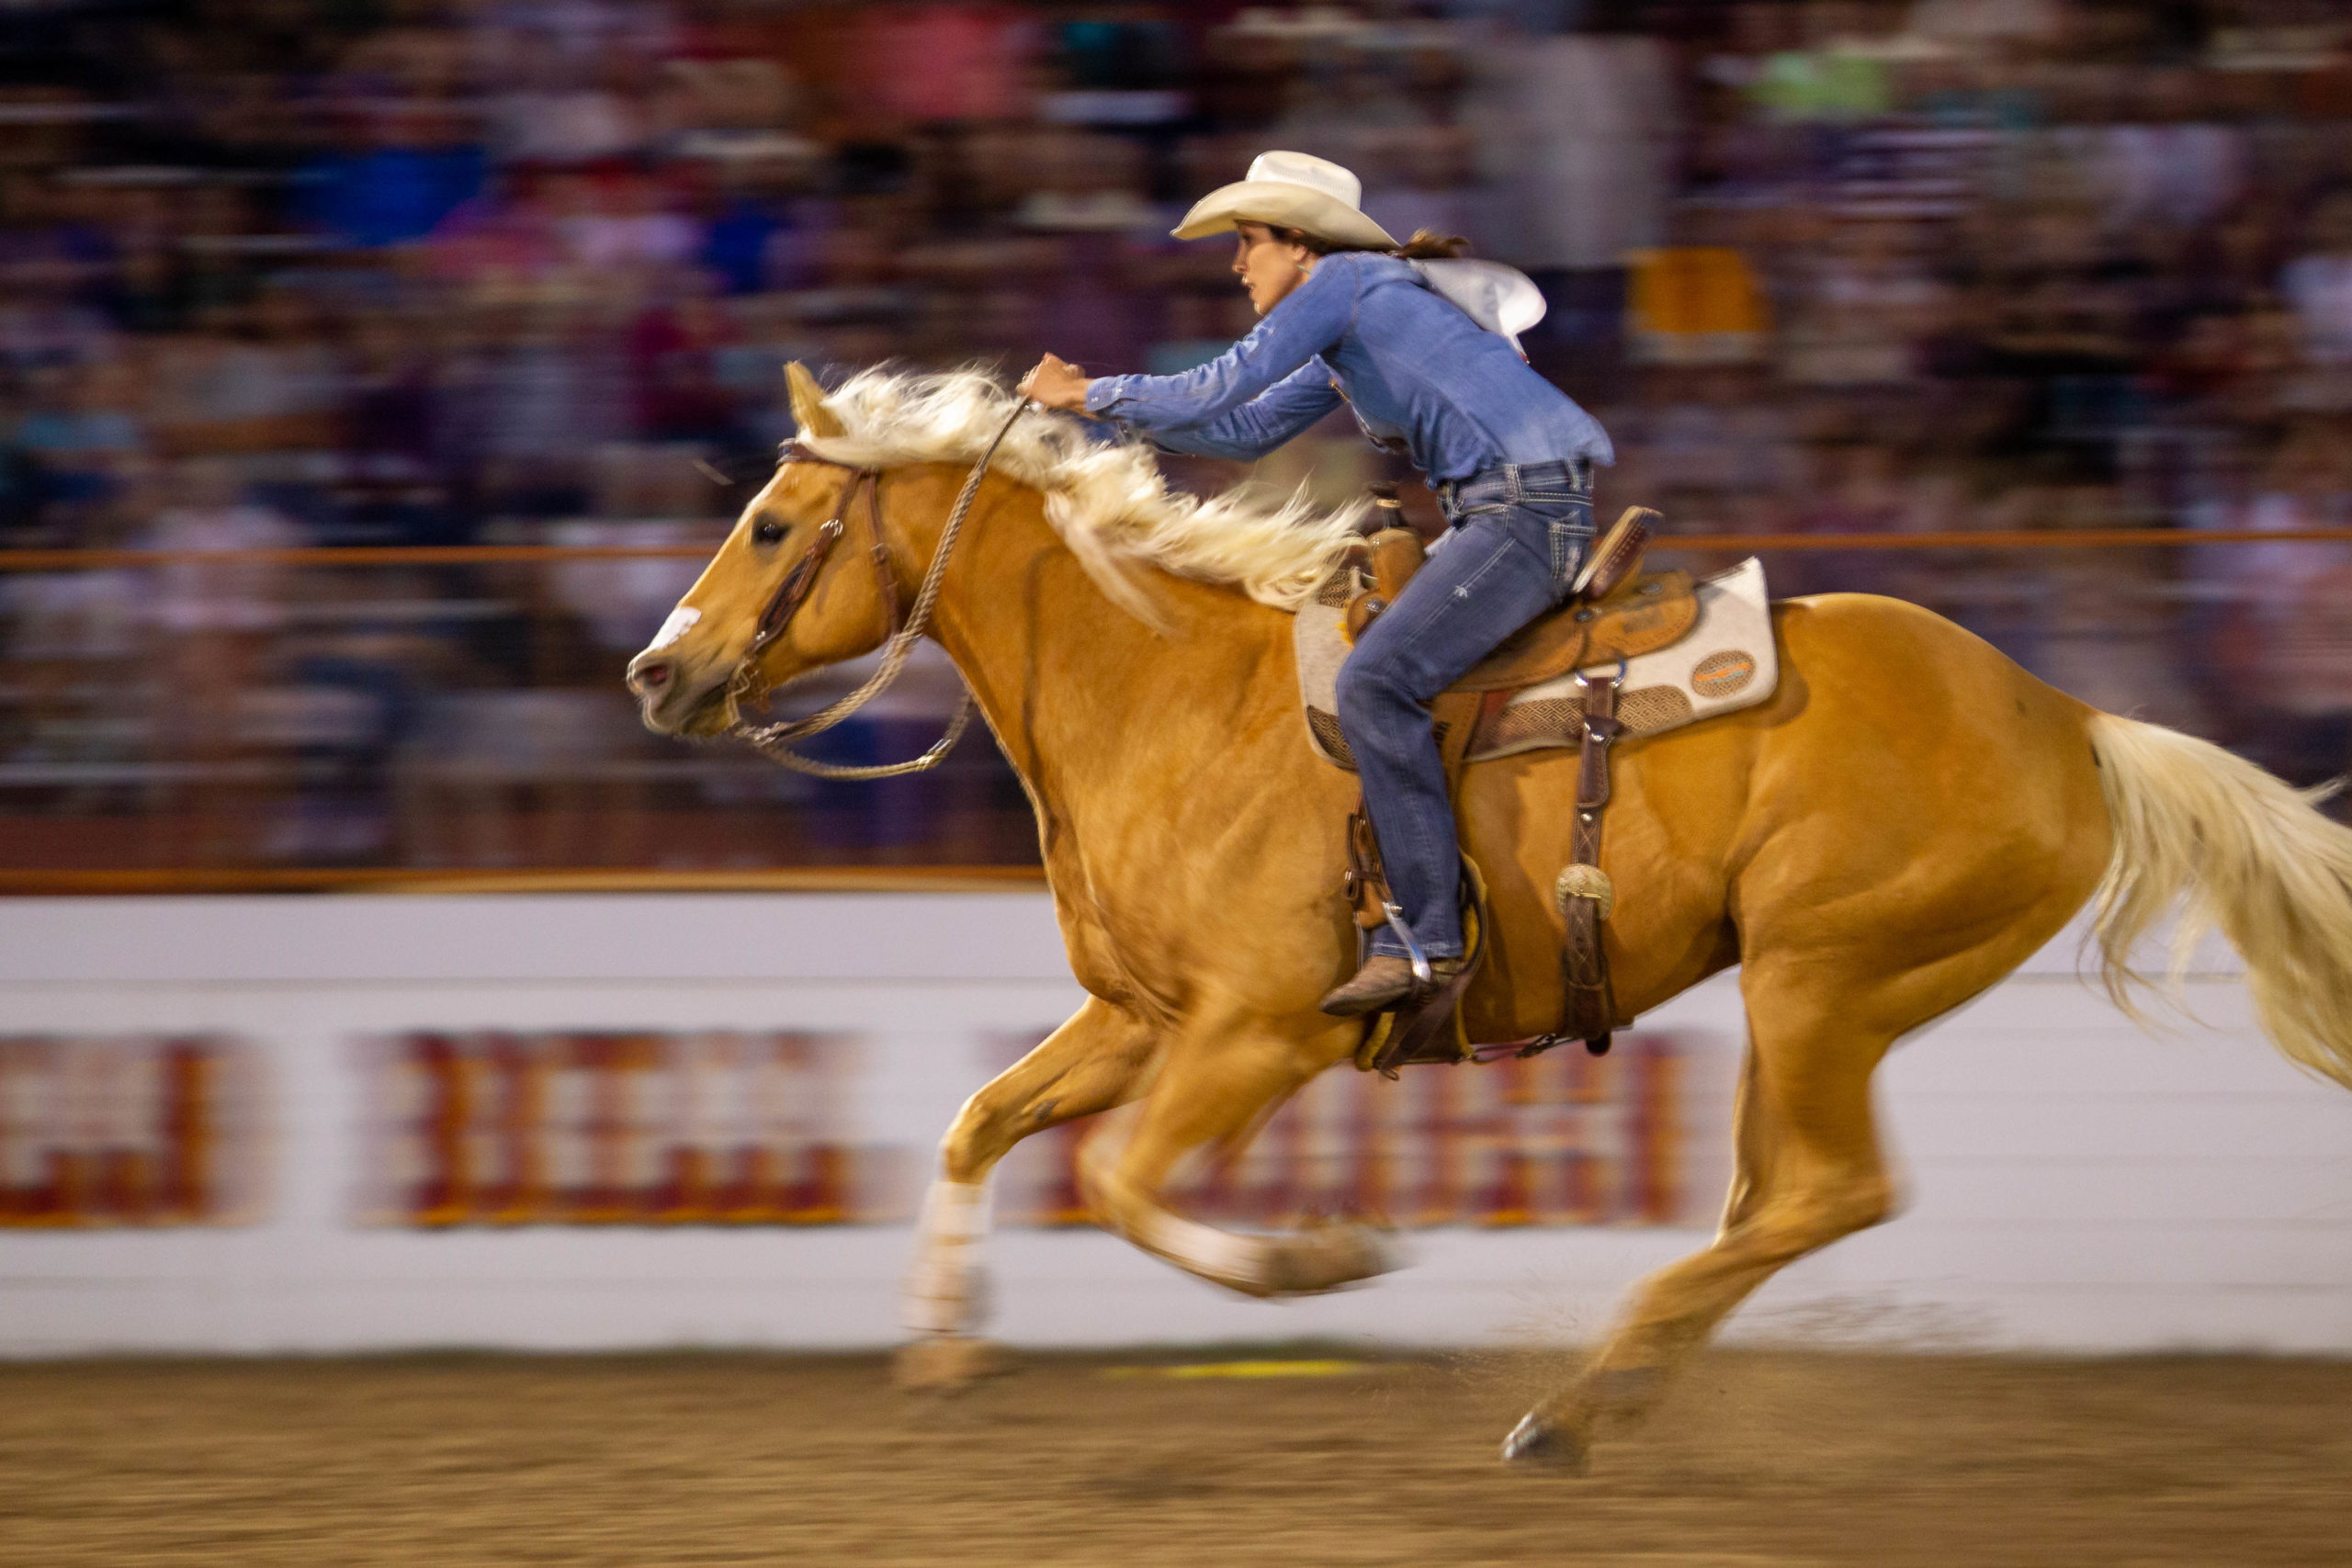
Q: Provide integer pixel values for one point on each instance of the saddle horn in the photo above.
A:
(1616, 556)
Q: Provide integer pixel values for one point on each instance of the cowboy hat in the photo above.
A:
(1289, 190)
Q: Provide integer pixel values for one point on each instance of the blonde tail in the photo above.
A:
(2242, 851)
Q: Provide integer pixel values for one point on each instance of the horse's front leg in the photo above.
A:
(1091, 1062)
(1215, 1087)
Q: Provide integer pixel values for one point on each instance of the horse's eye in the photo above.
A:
(767, 531)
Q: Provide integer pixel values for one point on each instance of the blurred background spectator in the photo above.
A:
(439, 273)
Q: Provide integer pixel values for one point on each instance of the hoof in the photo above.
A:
(946, 1364)
(1327, 1257)
(1536, 1442)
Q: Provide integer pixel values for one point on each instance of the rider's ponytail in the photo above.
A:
(1427, 244)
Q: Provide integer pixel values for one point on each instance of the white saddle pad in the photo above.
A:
(1724, 664)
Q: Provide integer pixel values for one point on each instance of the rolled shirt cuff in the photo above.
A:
(1102, 392)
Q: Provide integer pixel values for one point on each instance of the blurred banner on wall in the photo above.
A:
(131, 1130)
(558, 1128)
(734, 1128)
(1559, 1139)
(502, 1127)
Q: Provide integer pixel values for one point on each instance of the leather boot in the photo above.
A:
(1384, 981)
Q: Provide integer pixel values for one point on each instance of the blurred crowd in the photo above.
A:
(421, 272)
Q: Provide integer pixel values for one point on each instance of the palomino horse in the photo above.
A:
(1902, 824)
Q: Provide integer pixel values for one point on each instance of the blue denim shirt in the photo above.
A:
(1411, 363)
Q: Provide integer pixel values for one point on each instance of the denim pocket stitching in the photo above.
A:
(1567, 556)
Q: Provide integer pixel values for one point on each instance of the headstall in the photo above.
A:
(770, 739)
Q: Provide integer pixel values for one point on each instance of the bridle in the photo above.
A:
(742, 686)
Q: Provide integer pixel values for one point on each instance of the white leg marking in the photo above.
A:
(944, 1288)
(1236, 1260)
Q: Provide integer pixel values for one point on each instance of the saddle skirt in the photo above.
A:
(1715, 657)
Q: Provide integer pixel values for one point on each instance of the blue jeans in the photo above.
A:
(1520, 534)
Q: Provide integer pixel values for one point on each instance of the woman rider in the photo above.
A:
(1349, 313)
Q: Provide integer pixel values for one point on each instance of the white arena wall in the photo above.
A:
(2073, 1183)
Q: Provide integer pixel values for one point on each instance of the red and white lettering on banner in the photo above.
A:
(648, 1129)
(1560, 1139)
(126, 1130)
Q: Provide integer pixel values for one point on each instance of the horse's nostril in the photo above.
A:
(649, 677)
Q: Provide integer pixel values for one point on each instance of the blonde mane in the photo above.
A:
(1108, 500)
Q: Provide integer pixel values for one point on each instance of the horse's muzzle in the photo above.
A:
(669, 698)
(648, 676)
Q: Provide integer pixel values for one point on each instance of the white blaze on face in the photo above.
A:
(682, 621)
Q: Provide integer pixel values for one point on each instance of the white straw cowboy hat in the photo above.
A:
(1289, 190)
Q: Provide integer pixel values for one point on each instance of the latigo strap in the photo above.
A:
(1589, 1004)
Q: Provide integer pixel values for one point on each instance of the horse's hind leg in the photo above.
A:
(1808, 1172)
(1091, 1062)
(1213, 1092)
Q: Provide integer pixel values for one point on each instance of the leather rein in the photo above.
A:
(742, 688)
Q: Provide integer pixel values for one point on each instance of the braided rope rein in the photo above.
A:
(770, 739)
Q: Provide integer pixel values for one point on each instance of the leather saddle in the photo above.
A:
(1612, 612)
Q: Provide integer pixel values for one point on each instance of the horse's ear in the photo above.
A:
(809, 410)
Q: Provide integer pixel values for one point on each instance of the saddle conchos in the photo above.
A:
(1626, 654)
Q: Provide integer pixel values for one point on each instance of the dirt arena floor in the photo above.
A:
(1760, 1461)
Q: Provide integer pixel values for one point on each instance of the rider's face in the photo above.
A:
(1268, 268)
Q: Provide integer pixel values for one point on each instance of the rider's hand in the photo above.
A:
(1056, 384)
